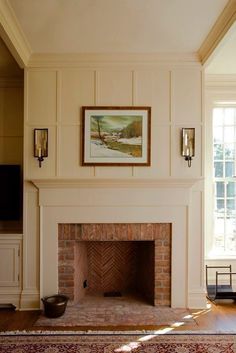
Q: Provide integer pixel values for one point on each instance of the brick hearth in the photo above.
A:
(150, 243)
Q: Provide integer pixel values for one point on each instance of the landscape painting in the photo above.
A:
(116, 136)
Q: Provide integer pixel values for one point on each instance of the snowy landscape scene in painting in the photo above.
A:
(116, 136)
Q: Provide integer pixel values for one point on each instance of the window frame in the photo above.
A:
(224, 179)
(216, 96)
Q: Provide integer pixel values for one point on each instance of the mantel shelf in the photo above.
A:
(113, 183)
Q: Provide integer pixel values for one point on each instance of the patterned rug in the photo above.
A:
(110, 343)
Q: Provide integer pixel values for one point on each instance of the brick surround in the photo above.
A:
(71, 257)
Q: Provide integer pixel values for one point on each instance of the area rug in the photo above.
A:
(141, 315)
(94, 343)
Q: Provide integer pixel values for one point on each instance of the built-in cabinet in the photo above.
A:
(10, 269)
(10, 266)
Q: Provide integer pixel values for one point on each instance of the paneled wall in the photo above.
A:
(54, 95)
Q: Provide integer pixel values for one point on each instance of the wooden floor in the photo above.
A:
(215, 318)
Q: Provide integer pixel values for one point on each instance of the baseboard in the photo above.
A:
(30, 300)
(12, 298)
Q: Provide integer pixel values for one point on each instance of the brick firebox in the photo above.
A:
(75, 242)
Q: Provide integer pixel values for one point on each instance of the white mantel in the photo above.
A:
(125, 201)
(104, 183)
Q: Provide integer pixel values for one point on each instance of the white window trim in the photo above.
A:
(218, 89)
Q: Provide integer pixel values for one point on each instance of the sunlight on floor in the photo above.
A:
(199, 313)
(178, 324)
(158, 332)
(129, 347)
(133, 345)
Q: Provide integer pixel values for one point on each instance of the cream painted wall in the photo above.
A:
(54, 95)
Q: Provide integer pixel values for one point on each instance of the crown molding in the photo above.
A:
(218, 31)
(230, 78)
(220, 81)
(113, 183)
(105, 59)
(13, 35)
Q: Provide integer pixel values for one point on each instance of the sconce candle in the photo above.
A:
(188, 144)
(40, 144)
(39, 152)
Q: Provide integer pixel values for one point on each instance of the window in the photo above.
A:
(224, 150)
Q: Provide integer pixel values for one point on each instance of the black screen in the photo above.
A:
(10, 192)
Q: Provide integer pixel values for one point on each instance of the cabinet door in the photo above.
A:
(9, 264)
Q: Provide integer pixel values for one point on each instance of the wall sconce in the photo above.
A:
(188, 144)
(40, 144)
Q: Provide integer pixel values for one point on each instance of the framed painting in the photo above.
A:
(116, 136)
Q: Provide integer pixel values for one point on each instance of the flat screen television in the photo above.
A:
(10, 192)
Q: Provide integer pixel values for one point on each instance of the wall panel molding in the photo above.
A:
(220, 81)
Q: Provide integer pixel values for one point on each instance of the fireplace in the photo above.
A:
(115, 258)
(67, 206)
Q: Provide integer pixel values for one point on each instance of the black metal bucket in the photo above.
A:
(55, 305)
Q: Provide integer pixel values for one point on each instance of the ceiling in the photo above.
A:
(120, 26)
(112, 26)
